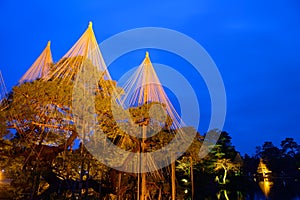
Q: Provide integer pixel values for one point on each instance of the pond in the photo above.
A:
(277, 190)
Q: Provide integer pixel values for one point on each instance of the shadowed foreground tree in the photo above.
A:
(45, 154)
(40, 115)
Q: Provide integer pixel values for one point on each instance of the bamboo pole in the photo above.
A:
(192, 177)
(173, 181)
(138, 186)
(119, 185)
(143, 165)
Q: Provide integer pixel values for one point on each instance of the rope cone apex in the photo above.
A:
(90, 24)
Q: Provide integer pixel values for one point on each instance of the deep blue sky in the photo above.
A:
(254, 43)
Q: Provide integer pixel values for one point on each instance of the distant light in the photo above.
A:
(184, 180)
(3, 170)
(186, 191)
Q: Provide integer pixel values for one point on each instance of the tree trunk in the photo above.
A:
(159, 195)
(144, 186)
(225, 174)
(34, 187)
(138, 185)
(87, 181)
(143, 166)
(119, 185)
(192, 177)
(225, 195)
(81, 170)
(173, 181)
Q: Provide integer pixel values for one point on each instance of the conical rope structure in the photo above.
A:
(52, 122)
(146, 100)
(86, 49)
(3, 91)
(40, 68)
(146, 109)
(144, 87)
(3, 107)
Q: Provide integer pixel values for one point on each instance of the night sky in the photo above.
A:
(255, 45)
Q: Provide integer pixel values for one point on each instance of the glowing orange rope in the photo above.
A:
(40, 68)
(3, 91)
(85, 49)
(144, 87)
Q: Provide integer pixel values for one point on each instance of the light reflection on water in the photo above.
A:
(263, 190)
(257, 195)
(266, 186)
(266, 190)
